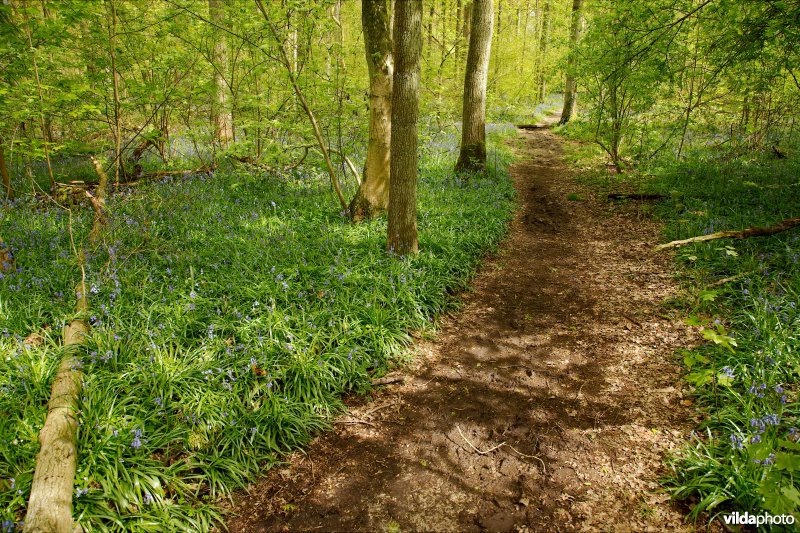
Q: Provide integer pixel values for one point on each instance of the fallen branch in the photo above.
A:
(50, 502)
(356, 421)
(781, 226)
(388, 380)
(623, 196)
(723, 281)
(163, 173)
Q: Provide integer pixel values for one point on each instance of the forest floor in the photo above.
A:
(546, 403)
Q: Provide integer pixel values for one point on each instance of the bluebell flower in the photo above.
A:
(137, 442)
(757, 389)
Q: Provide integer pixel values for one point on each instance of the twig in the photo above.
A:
(379, 407)
(356, 421)
(544, 468)
(632, 320)
(473, 446)
(723, 281)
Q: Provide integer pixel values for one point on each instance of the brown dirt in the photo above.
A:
(546, 404)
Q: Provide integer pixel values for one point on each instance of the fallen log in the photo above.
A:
(50, 503)
(530, 127)
(388, 380)
(624, 196)
(781, 226)
(164, 173)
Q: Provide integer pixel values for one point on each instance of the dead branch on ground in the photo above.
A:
(781, 226)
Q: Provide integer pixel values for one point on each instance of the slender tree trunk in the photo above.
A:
(112, 38)
(466, 22)
(571, 85)
(223, 119)
(498, 32)
(4, 173)
(373, 194)
(457, 47)
(402, 227)
(473, 131)
(431, 13)
(544, 40)
(287, 61)
(41, 110)
(522, 55)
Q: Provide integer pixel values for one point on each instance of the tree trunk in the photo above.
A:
(287, 61)
(4, 173)
(402, 227)
(221, 113)
(571, 85)
(473, 131)
(544, 40)
(373, 194)
(41, 109)
(457, 45)
(112, 38)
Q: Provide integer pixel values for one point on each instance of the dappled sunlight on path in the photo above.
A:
(545, 404)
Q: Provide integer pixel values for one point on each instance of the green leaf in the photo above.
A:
(708, 295)
(779, 498)
(700, 377)
(693, 321)
(787, 461)
(724, 379)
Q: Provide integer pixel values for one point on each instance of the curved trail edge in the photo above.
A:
(546, 403)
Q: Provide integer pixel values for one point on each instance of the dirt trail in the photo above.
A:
(545, 404)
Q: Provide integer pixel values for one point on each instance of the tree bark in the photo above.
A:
(112, 38)
(373, 194)
(50, 503)
(571, 84)
(544, 40)
(473, 131)
(781, 226)
(4, 173)
(98, 201)
(402, 223)
(41, 109)
(221, 113)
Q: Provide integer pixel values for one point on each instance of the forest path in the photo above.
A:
(562, 353)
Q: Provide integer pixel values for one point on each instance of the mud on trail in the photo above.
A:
(545, 404)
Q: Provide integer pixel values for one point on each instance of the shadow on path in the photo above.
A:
(546, 403)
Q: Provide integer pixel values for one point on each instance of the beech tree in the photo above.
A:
(402, 227)
(473, 132)
(373, 193)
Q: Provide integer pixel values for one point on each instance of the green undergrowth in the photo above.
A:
(230, 313)
(742, 296)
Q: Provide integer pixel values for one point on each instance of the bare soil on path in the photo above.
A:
(546, 403)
